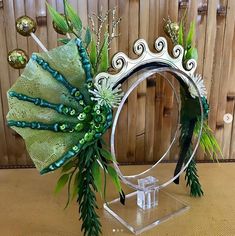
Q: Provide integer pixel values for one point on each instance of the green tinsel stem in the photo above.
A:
(191, 176)
(86, 194)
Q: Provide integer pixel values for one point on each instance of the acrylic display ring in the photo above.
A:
(143, 76)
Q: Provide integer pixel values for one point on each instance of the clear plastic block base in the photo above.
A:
(137, 219)
(149, 198)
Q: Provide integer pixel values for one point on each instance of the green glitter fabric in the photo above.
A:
(44, 146)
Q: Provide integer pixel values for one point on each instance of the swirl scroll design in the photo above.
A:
(161, 44)
(178, 52)
(119, 60)
(191, 65)
(101, 76)
(124, 65)
(140, 46)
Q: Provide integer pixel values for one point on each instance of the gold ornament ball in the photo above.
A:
(17, 58)
(25, 25)
(166, 29)
(171, 28)
(175, 27)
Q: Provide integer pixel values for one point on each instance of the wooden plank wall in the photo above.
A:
(148, 119)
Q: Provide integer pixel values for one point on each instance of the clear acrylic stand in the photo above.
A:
(141, 211)
(148, 198)
(149, 205)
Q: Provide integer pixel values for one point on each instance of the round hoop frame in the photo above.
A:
(112, 141)
(158, 62)
(176, 131)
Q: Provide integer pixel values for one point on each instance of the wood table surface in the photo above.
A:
(28, 206)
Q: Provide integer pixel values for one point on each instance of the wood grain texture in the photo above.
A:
(218, 57)
(19, 9)
(150, 120)
(4, 86)
(162, 131)
(144, 7)
(149, 117)
(121, 134)
(51, 34)
(168, 115)
(133, 35)
(232, 75)
(224, 73)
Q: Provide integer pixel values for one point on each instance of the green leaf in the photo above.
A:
(192, 179)
(191, 54)
(69, 187)
(89, 153)
(61, 183)
(208, 141)
(106, 154)
(181, 34)
(93, 53)
(73, 17)
(102, 141)
(113, 174)
(190, 35)
(68, 166)
(77, 180)
(86, 196)
(58, 19)
(97, 176)
(88, 36)
(104, 56)
(63, 40)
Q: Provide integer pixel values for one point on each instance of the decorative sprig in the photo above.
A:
(96, 45)
(208, 142)
(190, 52)
(83, 173)
(188, 123)
(58, 19)
(102, 19)
(99, 48)
(186, 41)
(72, 19)
(87, 186)
(171, 29)
(114, 26)
(191, 176)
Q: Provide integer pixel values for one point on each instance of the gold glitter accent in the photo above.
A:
(25, 25)
(17, 58)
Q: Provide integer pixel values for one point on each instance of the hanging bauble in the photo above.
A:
(175, 27)
(17, 58)
(25, 25)
(171, 28)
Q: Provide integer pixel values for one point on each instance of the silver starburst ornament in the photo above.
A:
(105, 94)
(200, 85)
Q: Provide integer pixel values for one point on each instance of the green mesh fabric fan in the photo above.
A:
(61, 113)
(51, 99)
